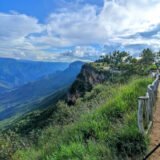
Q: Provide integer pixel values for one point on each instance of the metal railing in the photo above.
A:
(145, 107)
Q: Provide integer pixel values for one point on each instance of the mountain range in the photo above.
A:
(25, 98)
(15, 73)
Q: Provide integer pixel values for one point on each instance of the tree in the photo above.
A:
(157, 59)
(147, 57)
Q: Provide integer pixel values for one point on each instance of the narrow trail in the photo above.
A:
(155, 132)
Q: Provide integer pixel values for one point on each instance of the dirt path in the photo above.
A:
(155, 133)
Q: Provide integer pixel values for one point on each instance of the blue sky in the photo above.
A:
(41, 9)
(69, 30)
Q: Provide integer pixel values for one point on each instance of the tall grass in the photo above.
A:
(107, 132)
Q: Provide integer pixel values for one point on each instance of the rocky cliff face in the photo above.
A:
(88, 77)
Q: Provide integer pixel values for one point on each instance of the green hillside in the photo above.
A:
(103, 128)
(37, 107)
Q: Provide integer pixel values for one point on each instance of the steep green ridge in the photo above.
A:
(114, 68)
(89, 76)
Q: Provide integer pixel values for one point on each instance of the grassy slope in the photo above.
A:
(20, 120)
(108, 131)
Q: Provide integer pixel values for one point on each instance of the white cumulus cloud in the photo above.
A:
(117, 23)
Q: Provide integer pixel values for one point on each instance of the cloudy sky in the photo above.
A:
(68, 30)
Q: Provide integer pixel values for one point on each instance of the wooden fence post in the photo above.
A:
(145, 107)
(140, 115)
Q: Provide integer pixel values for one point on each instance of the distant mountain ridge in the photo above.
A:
(19, 100)
(15, 73)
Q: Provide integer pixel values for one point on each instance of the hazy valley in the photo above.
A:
(22, 98)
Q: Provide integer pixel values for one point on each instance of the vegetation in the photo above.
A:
(105, 129)
(114, 68)
(101, 125)
(122, 61)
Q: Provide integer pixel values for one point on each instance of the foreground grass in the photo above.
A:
(104, 133)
